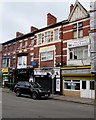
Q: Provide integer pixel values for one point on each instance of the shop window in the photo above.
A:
(92, 85)
(72, 85)
(83, 84)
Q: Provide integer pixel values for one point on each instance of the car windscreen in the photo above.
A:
(35, 85)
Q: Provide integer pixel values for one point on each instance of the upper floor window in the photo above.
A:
(6, 62)
(32, 42)
(78, 30)
(47, 56)
(78, 53)
(47, 36)
(8, 48)
(20, 45)
(14, 47)
(39, 39)
(56, 34)
(25, 43)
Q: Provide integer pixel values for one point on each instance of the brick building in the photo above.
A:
(49, 49)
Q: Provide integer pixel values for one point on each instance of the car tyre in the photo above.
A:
(18, 93)
(34, 95)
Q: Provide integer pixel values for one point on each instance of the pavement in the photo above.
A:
(64, 98)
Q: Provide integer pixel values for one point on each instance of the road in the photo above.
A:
(23, 107)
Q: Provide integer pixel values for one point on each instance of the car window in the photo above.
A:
(27, 84)
(35, 85)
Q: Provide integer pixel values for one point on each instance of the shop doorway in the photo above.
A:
(87, 89)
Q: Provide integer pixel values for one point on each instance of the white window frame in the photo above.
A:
(73, 52)
(47, 56)
(39, 39)
(70, 84)
(32, 42)
(47, 36)
(78, 28)
(56, 35)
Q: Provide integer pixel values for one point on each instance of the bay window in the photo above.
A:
(78, 53)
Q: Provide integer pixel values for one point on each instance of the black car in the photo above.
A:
(30, 88)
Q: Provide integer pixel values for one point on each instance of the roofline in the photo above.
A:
(32, 33)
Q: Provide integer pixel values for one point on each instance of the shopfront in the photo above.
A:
(78, 82)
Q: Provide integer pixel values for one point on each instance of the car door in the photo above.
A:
(27, 88)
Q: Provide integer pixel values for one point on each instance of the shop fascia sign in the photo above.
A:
(4, 70)
(78, 43)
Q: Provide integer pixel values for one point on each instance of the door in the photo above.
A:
(87, 89)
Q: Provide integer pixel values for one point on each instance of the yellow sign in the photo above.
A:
(4, 70)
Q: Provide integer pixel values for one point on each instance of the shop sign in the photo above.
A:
(33, 63)
(78, 43)
(4, 70)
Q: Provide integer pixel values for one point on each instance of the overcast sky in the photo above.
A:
(19, 16)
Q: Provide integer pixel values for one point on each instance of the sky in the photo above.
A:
(20, 15)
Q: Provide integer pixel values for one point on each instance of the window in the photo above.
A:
(39, 39)
(47, 56)
(92, 85)
(78, 30)
(14, 62)
(56, 34)
(32, 42)
(8, 48)
(47, 36)
(72, 85)
(22, 61)
(14, 47)
(25, 44)
(83, 84)
(78, 53)
(32, 58)
(20, 45)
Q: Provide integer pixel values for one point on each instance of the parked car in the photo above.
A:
(30, 88)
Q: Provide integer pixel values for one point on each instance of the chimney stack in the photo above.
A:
(33, 28)
(19, 34)
(51, 19)
(71, 7)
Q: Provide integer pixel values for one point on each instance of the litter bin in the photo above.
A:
(11, 86)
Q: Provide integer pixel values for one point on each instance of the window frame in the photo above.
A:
(71, 86)
(45, 56)
(39, 39)
(56, 35)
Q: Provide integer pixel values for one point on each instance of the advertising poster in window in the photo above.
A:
(58, 85)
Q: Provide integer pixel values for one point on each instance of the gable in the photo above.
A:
(78, 12)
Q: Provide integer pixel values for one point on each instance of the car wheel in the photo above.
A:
(18, 93)
(34, 95)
